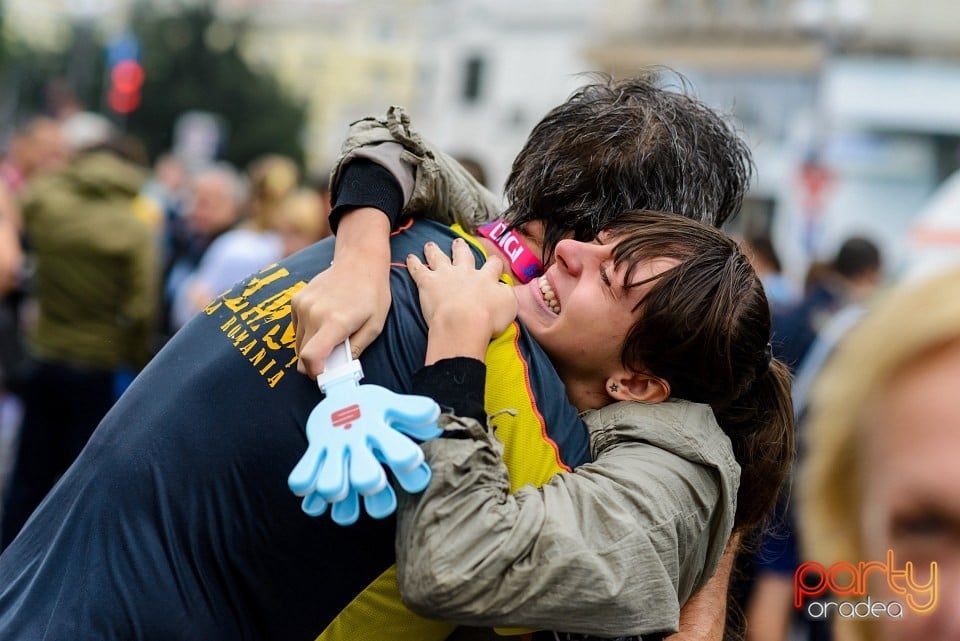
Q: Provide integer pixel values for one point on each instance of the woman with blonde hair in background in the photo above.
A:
(302, 220)
(881, 484)
(251, 244)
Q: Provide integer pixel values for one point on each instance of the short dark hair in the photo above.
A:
(624, 145)
(857, 256)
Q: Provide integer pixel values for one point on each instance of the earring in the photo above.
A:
(613, 387)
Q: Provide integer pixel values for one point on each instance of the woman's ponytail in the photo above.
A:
(760, 426)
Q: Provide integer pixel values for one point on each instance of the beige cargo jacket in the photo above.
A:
(615, 547)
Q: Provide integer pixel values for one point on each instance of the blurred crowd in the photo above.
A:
(809, 319)
(103, 257)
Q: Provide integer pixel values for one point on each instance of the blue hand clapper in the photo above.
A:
(352, 433)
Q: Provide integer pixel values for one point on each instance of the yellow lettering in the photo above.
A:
(273, 380)
(236, 303)
(214, 305)
(268, 338)
(226, 325)
(235, 330)
(257, 283)
(274, 308)
(289, 336)
(266, 369)
(256, 358)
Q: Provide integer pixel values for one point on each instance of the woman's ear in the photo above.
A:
(633, 386)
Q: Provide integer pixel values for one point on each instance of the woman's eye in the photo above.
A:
(920, 526)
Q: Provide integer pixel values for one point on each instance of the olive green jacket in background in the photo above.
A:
(97, 272)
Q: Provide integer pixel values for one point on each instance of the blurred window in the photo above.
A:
(473, 73)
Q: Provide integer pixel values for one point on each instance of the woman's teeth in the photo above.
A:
(549, 296)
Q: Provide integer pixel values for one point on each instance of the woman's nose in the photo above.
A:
(569, 256)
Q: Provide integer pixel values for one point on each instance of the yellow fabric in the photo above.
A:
(377, 613)
(149, 213)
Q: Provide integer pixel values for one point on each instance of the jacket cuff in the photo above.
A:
(456, 384)
(364, 183)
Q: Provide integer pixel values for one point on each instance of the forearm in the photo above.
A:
(703, 616)
(364, 212)
(363, 241)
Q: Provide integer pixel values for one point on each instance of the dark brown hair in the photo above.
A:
(704, 327)
(614, 146)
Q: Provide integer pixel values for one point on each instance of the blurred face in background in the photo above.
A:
(911, 489)
(302, 220)
(42, 147)
(215, 206)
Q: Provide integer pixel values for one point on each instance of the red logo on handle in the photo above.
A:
(344, 417)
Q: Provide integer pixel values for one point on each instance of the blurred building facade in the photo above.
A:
(348, 59)
(848, 104)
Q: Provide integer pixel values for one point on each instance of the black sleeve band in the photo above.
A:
(456, 384)
(364, 183)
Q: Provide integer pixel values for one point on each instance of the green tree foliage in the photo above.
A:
(192, 61)
(36, 81)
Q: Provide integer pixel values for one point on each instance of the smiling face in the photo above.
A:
(580, 311)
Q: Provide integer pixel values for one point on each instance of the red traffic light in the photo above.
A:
(123, 102)
(126, 80)
(127, 76)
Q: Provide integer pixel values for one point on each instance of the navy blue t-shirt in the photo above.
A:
(176, 522)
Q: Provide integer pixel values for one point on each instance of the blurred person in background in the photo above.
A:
(805, 334)
(168, 185)
(95, 294)
(302, 220)
(764, 258)
(11, 345)
(858, 274)
(164, 197)
(251, 245)
(849, 278)
(319, 183)
(37, 145)
(11, 263)
(880, 472)
(218, 194)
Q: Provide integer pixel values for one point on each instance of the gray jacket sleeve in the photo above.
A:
(613, 548)
(434, 184)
